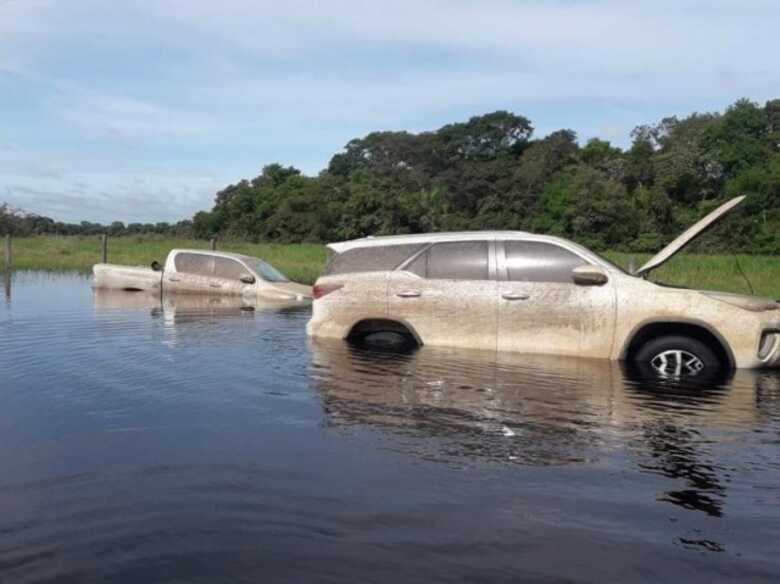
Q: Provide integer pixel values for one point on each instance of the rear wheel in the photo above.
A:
(676, 357)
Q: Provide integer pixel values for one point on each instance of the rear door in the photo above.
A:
(448, 294)
(541, 309)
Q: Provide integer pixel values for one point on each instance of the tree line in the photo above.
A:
(22, 224)
(491, 173)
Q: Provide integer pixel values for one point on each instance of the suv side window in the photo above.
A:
(376, 258)
(228, 269)
(194, 263)
(535, 261)
(457, 260)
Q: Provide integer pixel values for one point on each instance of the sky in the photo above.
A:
(143, 110)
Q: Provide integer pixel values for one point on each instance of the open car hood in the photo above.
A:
(689, 235)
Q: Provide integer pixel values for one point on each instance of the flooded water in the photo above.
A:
(201, 441)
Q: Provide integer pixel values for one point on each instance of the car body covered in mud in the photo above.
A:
(193, 271)
(522, 292)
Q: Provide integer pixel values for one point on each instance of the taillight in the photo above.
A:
(320, 290)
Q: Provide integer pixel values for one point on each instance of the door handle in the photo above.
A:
(172, 279)
(215, 285)
(515, 296)
(409, 294)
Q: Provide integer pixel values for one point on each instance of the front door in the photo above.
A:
(448, 295)
(542, 310)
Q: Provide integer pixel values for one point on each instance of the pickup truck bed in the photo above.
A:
(135, 278)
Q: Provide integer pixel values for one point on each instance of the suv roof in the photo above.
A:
(372, 241)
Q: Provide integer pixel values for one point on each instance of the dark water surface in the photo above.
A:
(185, 442)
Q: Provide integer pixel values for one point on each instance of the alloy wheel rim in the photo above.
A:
(676, 363)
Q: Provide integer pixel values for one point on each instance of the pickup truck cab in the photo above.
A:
(197, 271)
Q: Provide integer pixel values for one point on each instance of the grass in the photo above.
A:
(713, 272)
(303, 262)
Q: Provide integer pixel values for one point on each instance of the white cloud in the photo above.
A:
(106, 198)
(196, 88)
(99, 113)
(69, 188)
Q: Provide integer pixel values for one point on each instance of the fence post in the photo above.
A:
(213, 244)
(104, 245)
(631, 266)
(8, 252)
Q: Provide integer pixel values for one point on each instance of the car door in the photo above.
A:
(191, 274)
(227, 277)
(540, 308)
(203, 273)
(448, 294)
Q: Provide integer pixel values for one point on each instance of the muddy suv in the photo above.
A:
(516, 291)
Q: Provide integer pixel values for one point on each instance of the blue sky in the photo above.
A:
(142, 110)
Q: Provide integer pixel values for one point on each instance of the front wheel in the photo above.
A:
(676, 357)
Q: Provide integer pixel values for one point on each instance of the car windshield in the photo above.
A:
(267, 271)
(611, 264)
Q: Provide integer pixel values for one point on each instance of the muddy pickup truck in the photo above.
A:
(193, 271)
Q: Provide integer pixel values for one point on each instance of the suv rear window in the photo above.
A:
(370, 259)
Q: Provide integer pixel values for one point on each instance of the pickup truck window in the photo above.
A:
(194, 263)
(228, 269)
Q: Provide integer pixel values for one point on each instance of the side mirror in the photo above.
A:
(247, 278)
(589, 275)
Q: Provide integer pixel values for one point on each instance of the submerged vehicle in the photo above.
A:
(517, 291)
(197, 271)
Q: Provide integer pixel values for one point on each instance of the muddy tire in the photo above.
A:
(677, 357)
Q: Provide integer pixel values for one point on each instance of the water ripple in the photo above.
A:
(155, 440)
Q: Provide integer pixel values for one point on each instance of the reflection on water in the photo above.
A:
(7, 285)
(148, 439)
(183, 307)
(544, 411)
